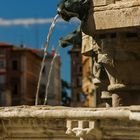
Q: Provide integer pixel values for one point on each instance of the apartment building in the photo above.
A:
(19, 72)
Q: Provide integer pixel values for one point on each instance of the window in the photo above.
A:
(2, 52)
(113, 35)
(77, 54)
(78, 97)
(79, 81)
(15, 88)
(14, 65)
(102, 36)
(2, 79)
(79, 69)
(2, 64)
(131, 35)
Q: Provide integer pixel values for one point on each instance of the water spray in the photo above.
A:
(50, 72)
(44, 57)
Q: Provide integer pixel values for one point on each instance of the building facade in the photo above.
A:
(5, 51)
(19, 72)
(117, 35)
(54, 89)
(19, 75)
(76, 76)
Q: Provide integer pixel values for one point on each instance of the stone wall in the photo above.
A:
(110, 15)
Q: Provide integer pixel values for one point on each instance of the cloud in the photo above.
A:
(29, 21)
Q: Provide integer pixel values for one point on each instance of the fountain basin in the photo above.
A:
(45, 122)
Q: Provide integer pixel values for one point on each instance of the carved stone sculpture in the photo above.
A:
(72, 38)
(114, 24)
(73, 8)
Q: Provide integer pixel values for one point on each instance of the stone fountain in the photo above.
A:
(113, 25)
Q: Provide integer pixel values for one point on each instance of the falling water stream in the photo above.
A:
(43, 60)
(50, 72)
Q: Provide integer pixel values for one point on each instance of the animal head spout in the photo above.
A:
(73, 8)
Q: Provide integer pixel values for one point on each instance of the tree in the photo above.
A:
(65, 99)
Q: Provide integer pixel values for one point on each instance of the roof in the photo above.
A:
(37, 52)
(30, 50)
(4, 44)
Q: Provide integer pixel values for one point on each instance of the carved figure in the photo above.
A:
(73, 8)
(72, 38)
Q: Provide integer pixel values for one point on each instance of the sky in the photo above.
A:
(17, 26)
